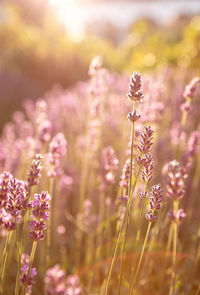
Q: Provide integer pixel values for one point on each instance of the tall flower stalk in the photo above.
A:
(155, 201)
(176, 191)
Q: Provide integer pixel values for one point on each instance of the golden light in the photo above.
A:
(71, 15)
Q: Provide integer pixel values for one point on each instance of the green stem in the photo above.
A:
(123, 258)
(129, 192)
(183, 121)
(30, 264)
(175, 246)
(119, 236)
(141, 255)
(49, 228)
(17, 285)
(4, 259)
(137, 240)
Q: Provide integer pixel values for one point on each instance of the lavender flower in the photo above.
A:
(156, 199)
(57, 149)
(40, 213)
(25, 279)
(109, 166)
(73, 287)
(144, 195)
(135, 92)
(44, 130)
(87, 218)
(7, 221)
(133, 117)
(4, 188)
(55, 281)
(151, 217)
(176, 181)
(34, 173)
(146, 140)
(191, 88)
(125, 178)
(148, 165)
(16, 198)
(177, 216)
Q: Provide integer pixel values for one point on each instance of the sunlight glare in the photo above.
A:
(70, 14)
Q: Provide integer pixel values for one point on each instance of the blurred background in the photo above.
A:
(49, 42)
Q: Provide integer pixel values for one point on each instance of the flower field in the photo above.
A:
(99, 153)
(99, 187)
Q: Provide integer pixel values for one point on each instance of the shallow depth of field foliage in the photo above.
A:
(99, 181)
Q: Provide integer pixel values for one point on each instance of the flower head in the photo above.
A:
(55, 281)
(34, 173)
(177, 216)
(135, 92)
(16, 198)
(4, 188)
(25, 279)
(176, 181)
(191, 88)
(40, 213)
(146, 138)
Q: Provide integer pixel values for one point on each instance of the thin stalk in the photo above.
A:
(175, 246)
(123, 259)
(197, 291)
(183, 121)
(129, 192)
(25, 221)
(30, 265)
(169, 242)
(101, 216)
(49, 223)
(132, 144)
(141, 255)
(119, 236)
(139, 226)
(4, 259)
(17, 285)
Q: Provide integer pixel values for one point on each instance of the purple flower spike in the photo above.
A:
(151, 216)
(28, 281)
(34, 173)
(16, 198)
(146, 140)
(41, 214)
(133, 117)
(4, 188)
(135, 92)
(55, 281)
(177, 216)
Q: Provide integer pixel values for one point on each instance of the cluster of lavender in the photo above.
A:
(40, 212)
(56, 282)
